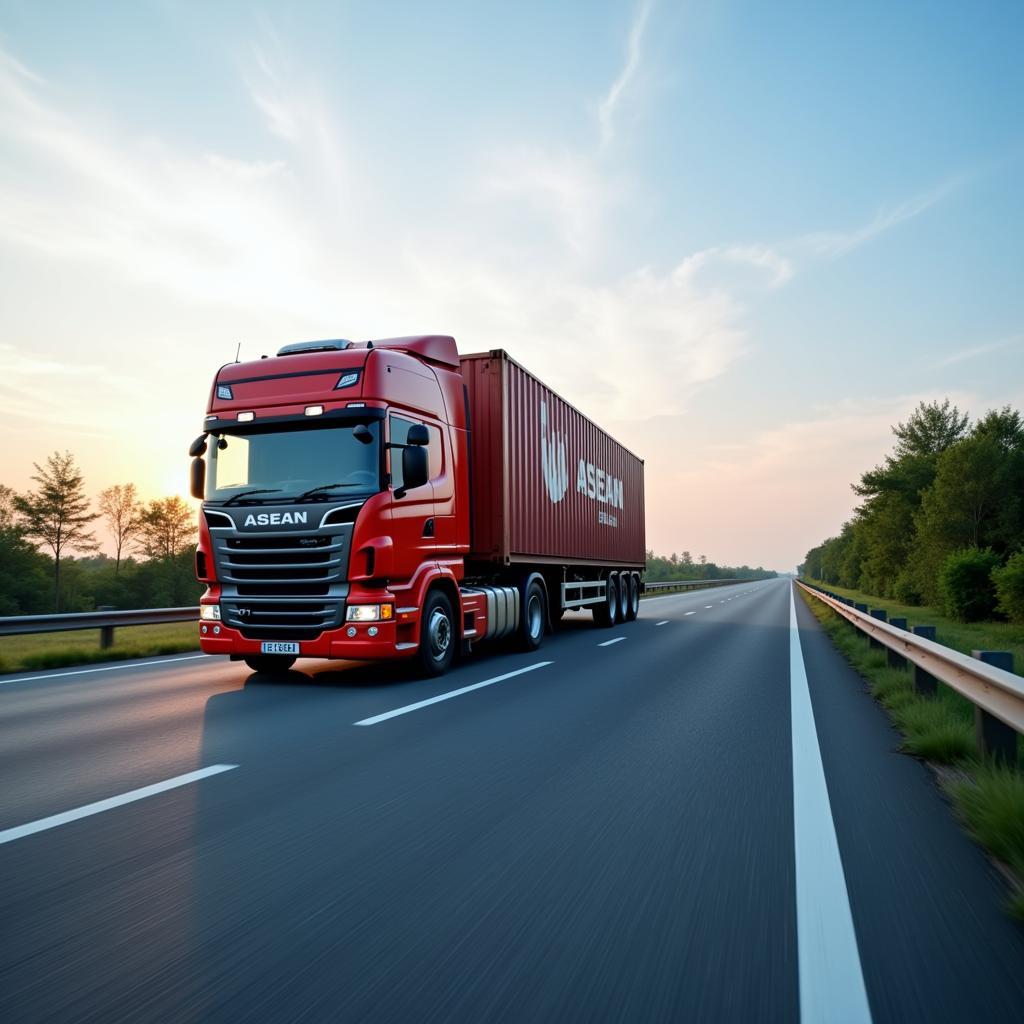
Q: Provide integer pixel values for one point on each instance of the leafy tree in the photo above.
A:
(965, 582)
(931, 429)
(57, 514)
(167, 528)
(1009, 584)
(121, 510)
(23, 570)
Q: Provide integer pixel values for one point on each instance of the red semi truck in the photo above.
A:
(393, 499)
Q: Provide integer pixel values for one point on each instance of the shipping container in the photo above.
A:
(547, 485)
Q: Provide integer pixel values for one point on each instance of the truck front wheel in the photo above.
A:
(437, 634)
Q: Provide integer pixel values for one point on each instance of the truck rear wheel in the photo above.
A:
(623, 597)
(269, 663)
(607, 613)
(533, 618)
(437, 634)
(633, 605)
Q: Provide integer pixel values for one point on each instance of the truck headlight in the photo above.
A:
(209, 611)
(369, 612)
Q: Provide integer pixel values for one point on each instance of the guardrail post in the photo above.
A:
(880, 614)
(895, 659)
(995, 738)
(106, 632)
(925, 684)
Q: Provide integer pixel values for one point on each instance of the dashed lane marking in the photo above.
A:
(451, 693)
(20, 831)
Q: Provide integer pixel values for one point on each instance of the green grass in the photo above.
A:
(988, 798)
(80, 647)
(961, 636)
(990, 802)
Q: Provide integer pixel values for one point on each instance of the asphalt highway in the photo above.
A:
(699, 816)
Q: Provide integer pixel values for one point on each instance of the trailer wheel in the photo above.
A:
(269, 663)
(607, 613)
(633, 608)
(623, 597)
(531, 626)
(437, 634)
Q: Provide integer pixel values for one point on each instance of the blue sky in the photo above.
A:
(748, 237)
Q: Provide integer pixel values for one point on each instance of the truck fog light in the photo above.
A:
(351, 631)
(372, 631)
(209, 611)
(216, 630)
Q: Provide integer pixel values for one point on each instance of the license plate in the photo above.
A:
(273, 647)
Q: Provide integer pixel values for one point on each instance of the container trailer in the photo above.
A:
(395, 499)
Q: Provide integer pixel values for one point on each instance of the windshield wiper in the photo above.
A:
(245, 494)
(323, 487)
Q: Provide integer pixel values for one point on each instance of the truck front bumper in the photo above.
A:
(386, 645)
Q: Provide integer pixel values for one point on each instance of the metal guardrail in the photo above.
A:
(17, 625)
(995, 692)
(696, 584)
(105, 621)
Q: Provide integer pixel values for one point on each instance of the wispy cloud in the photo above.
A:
(609, 105)
(839, 243)
(975, 351)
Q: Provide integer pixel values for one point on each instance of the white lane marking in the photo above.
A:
(19, 831)
(709, 606)
(451, 693)
(127, 663)
(664, 622)
(689, 613)
(614, 640)
(831, 980)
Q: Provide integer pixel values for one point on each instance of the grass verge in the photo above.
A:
(988, 798)
(82, 647)
(961, 636)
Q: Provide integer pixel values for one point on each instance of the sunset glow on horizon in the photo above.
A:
(650, 207)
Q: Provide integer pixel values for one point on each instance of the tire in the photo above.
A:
(633, 600)
(533, 617)
(623, 597)
(607, 613)
(270, 663)
(438, 637)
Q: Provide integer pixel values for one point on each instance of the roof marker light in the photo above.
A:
(314, 410)
(245, 417)
(356, 405)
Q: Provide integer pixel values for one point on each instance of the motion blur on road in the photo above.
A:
(606, 829)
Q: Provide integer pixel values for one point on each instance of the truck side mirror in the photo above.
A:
(198, 446)
(362, 433)
(415, 469)
(418, 435)
(198, 479)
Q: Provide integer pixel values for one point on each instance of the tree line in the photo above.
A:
(662, 569)
(941, 520)
(49, 554)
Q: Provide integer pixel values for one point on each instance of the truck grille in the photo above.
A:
(278, 586)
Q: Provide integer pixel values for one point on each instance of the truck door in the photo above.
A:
(414, 526)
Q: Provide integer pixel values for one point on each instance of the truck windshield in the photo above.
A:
(278, 463)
